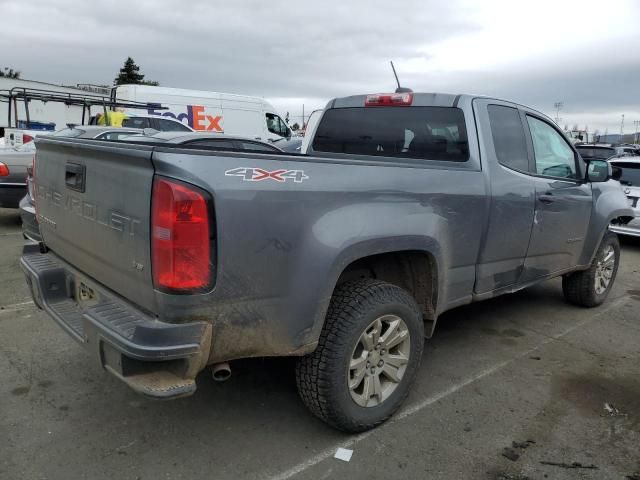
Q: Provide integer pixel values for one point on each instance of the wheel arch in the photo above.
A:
(413, 263)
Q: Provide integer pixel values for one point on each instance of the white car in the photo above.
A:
(630, 181)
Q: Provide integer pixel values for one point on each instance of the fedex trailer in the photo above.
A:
(211, 111)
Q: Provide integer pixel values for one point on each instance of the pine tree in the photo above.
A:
(130, 74)
(9, 73)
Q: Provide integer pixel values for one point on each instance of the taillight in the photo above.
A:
(31, 179)
(4, 170)
(389, 100)
(180, 237)
(26, 138)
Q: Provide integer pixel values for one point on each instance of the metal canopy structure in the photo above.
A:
(25, 95)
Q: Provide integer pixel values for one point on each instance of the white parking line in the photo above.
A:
(410, 410)
(14, 306)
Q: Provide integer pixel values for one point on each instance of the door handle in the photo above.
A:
(546, 198)
(74, 176)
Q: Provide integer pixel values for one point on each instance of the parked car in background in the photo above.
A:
(30, 229)
(161, 124)
(206, 141)
(596, 152)
(13, 173)
(629, 176)
(292, 145)
(627, 149)
(406, 206)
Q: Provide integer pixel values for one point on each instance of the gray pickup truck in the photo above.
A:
(162, 259)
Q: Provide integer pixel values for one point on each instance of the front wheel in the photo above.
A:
(367, 356)
(589, 288)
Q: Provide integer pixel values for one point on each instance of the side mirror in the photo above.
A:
(598, 171)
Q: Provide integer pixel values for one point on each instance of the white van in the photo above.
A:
(211, 111)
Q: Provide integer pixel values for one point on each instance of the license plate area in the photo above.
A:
(84, 293)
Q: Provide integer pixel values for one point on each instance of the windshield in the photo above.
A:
(630, 173)
(596, 153)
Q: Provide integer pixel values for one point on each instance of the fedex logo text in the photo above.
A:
(252, 174)
(196, 118)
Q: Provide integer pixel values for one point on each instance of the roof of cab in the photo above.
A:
(426, 99)
(419, 100)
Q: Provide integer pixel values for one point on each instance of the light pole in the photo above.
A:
(558, 106)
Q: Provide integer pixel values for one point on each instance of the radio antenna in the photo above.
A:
(399, 89)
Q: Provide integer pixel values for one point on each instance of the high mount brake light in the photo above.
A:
(389, 100)
(180, 240)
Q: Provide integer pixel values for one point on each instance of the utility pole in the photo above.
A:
(622, 129)
(303, 122)
(636, 126)
(558, 106)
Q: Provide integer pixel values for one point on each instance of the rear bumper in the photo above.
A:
(632, 228)
(10, 194)
(157, 359)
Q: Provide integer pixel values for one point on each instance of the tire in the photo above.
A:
(580, 289)
(323, 376)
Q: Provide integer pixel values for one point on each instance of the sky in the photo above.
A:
(585, 54)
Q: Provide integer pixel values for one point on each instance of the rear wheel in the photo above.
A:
(367, 356)
(589, 288)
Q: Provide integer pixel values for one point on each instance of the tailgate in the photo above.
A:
(93, 202)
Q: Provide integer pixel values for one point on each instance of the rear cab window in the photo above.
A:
(429, 133)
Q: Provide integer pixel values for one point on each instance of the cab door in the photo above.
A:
(506, 157)
(563, 201)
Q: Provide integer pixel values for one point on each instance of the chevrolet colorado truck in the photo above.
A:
(164, 259)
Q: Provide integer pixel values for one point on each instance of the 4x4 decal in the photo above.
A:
(252, 174)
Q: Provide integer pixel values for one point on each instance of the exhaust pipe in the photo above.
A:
(221, 372)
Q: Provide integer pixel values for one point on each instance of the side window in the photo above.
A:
(554, 157)
(508, 137)
(171, 126)
(276, 125)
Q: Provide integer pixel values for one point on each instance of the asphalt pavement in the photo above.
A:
(524, 386)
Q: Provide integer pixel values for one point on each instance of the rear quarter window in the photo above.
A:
(508, 137)
(429, 133)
